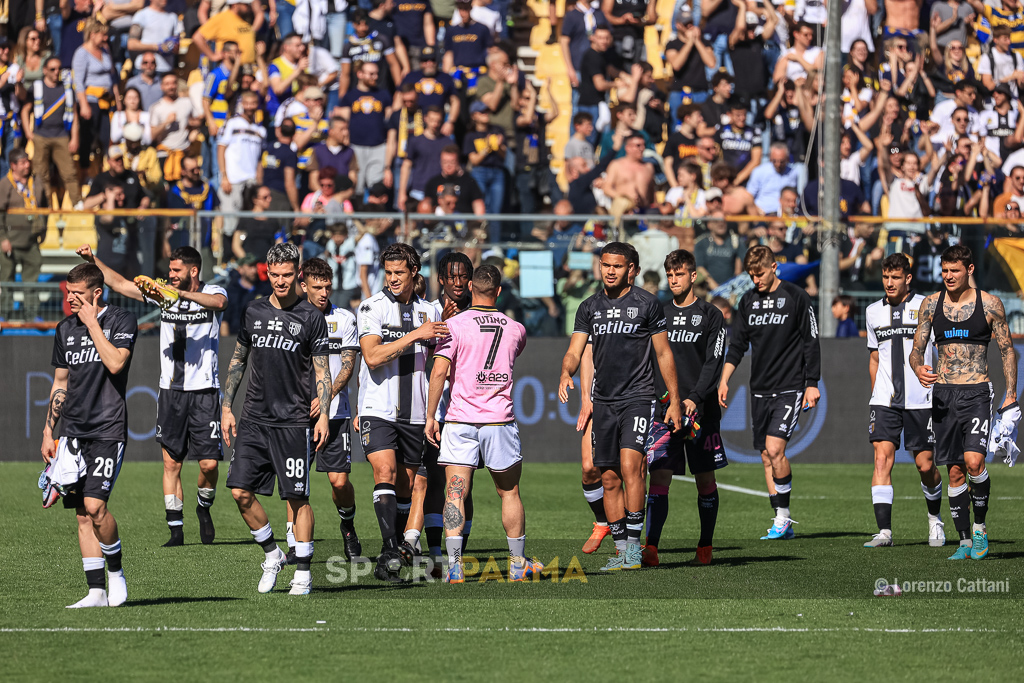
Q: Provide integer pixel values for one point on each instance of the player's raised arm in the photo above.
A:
(571, 363)
(377, 353)
(58, 395)
(921, 336)
(213, 302)
(111, 277)
(1001, 333)
(113, 356)
(667, 366)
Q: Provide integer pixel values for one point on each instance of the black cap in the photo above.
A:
(428, 52)
(1003, 88)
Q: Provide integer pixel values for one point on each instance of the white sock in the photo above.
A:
(454, 545)
(979, 527)
(301, 576)
(205, 497)
(412, 537)
(290, 535)
(516, 547)
(782, 513)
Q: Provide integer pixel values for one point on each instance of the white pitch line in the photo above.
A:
(681, 629)
(727, 487)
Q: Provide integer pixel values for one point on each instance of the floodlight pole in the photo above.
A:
(828, 155)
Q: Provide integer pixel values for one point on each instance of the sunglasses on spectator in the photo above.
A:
(149, 63)
(264, 196)
(956, 47)
(51, 68)
(960, 119)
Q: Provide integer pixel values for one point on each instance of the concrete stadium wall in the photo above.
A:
(834, 432)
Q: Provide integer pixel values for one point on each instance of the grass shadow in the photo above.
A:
(735, 561)
(178, 600)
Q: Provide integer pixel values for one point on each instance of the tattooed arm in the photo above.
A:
(239, 359)
(58, 395)
(376, 353)
(996, 315)
(348, 365)
(921, 336)
(322, 369)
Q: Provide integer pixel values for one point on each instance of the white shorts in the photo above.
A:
(467, 445)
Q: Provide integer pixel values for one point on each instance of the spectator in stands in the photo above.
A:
(117, 237)
(366, 108)
(623, 121)
(843, 310)
(155, 30)
(768, 180)
(582, 175)
(719, 19)
(76, 16)
(628, 19)
(482, 14)
(278, 169)
(414, 24)
(256, 234)
(365, 46)
(146, 82)
(719, 252)
(579, 145)
(598, 69)
(340, 254)
(54, 134)
(30, 56)
(405, 122)
(21, 234)
(132, 112)
(531, 155)
(797, 62)
(306, 111)
(219, 90)
(469, 197)
(284, 71)
(941, 124)
(578, 24)
(630, 181)
(1001, 64)
(903, 184)
(238, 154)
(1014, 193)
(244, 285)
(859, 253)
(690, 58)
(233, 25)
(715, 109)
(949, 22)
(194, 192)
(740, 144)
(96, 88)
(950, 69)
(117, 174)
(687, 197)
(423, 158)
(171, 120)
(736, 200)
(435, 89)
(142, 159)
(335, 152)
(466, 47)
(485, 147)
(500, 89)
(750, 52)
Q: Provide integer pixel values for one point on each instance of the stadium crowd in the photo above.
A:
(326, 107)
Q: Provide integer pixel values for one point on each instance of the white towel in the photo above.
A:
(68, 465)
(1002, 439)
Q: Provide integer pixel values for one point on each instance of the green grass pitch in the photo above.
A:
(791, 611)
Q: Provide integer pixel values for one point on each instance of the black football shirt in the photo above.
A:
(95, 406)
(621, 331)
(783, 330)
(283, 342)
(696, 334)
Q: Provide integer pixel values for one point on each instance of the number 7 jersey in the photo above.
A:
(482, 346)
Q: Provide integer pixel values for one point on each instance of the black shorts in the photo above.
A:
(336, 456)
(188, 424)
(263, 452)
(406, 440)
(430, 453)
(886, 424)
(102, 465)
(961, 416)
(617, 426)
(775, 415)
(668, 450)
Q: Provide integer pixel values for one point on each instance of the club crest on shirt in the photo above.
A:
(782, 302)
(912, 314)
(333, 327)
(423, 318)
(695, 319)
(294, 328)
(632, 312)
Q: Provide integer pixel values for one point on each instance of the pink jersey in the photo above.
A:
(482, 346)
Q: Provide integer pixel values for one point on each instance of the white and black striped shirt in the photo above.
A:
(396, 391)
(896, 384)
(189, 342)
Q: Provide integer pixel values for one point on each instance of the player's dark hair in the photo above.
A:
(624, 249)
(758, 256)
(286, 252)
(317, 269)
(894, 262)
(486, 280)
(958, 253)
(187, 255)
(680, 258)
(88, 273)
(445, 265)
(400, 251)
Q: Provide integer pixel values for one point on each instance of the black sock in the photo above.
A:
(883, 515)
(175, 519)
(386, 508)
(783, 486)
(435, 536)
(979, 496)
(933, 498)
(959, 510)
(112, 554)
(657, 513)
(618, 529)
(594, 493)
(402, 507)
(95, 578)
(707, 509)
(634, 526)
(774, 502)
(348, 518)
